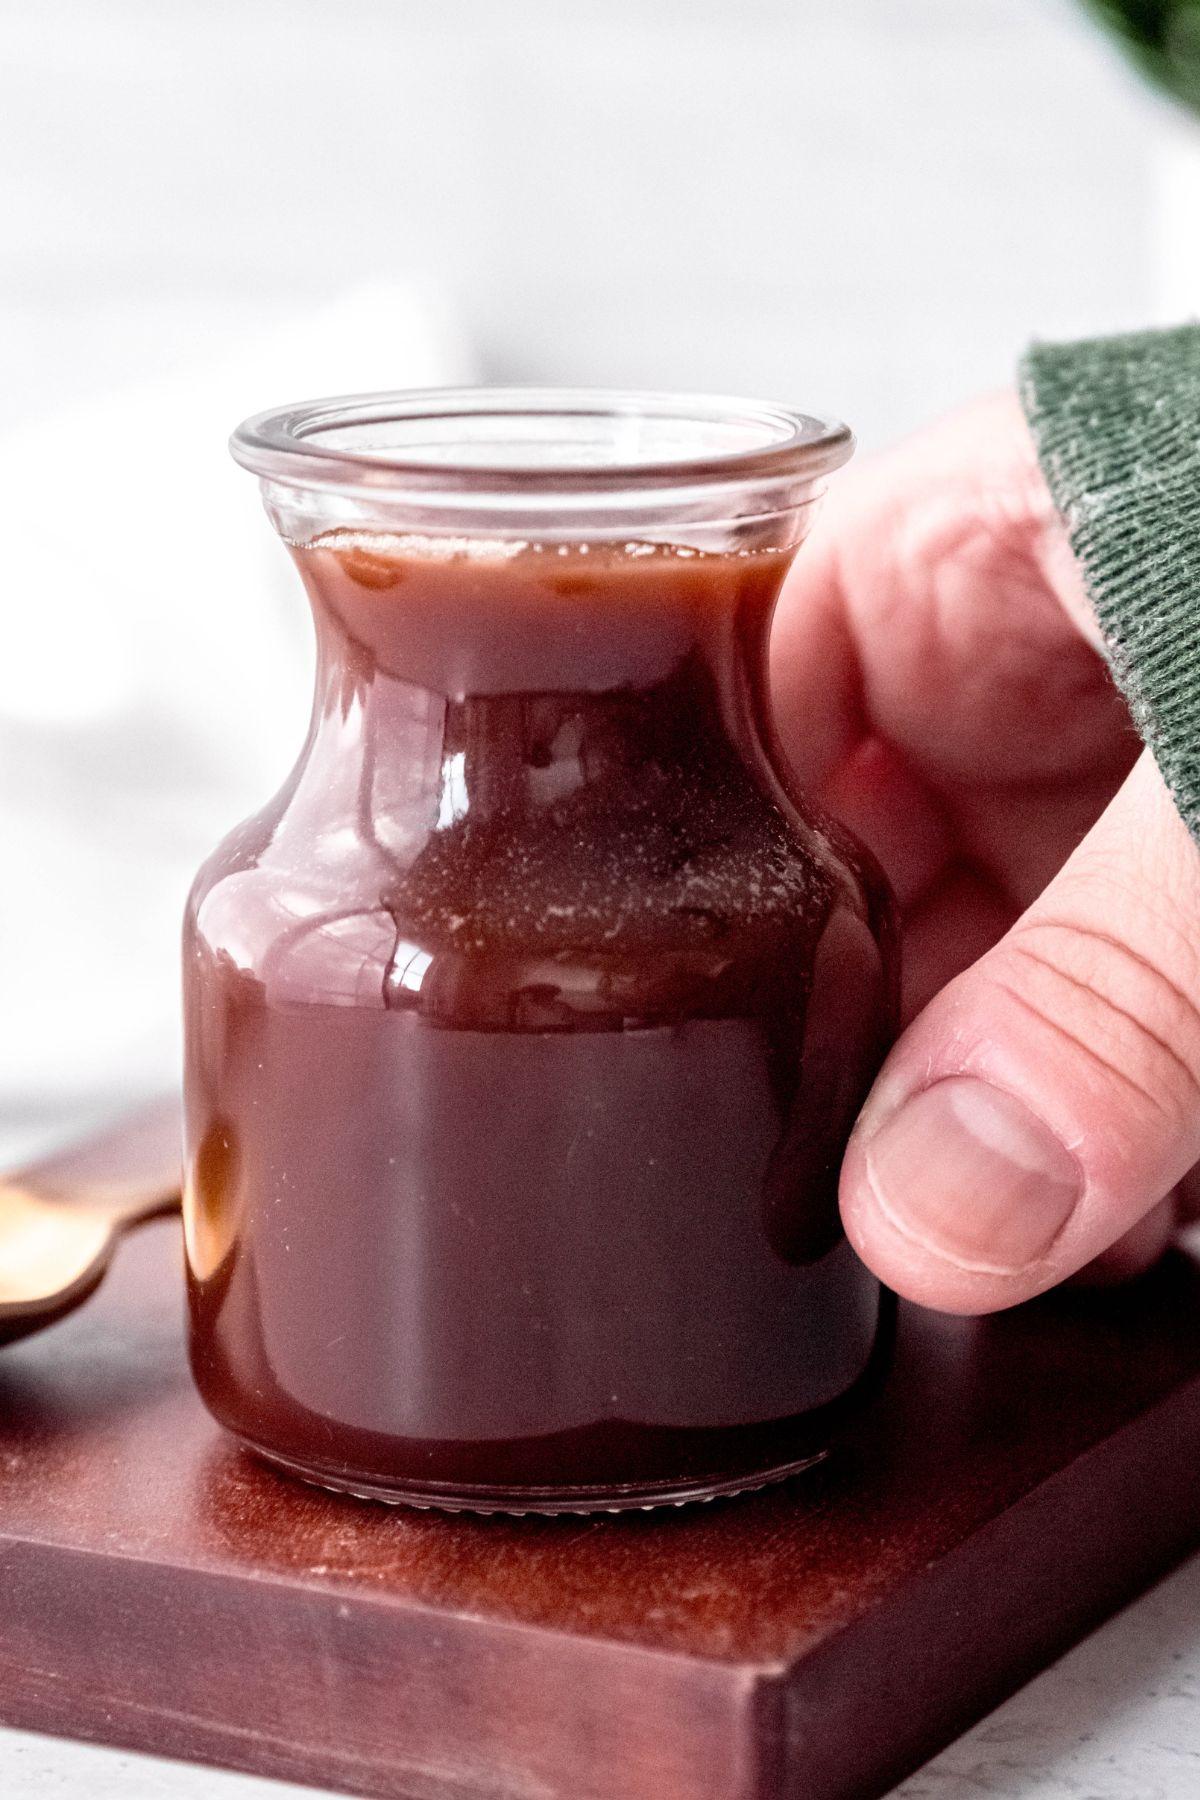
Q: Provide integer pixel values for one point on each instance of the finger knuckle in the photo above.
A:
(1126, 1007)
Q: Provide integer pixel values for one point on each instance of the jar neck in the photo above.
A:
(508, 767)
(501, 687)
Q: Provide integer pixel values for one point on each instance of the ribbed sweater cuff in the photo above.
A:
(1117, 427)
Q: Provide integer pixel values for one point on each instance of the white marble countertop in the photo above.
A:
(1115, 1719)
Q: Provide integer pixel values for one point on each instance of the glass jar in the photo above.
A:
(525, 1026)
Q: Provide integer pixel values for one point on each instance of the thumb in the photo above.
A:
(1048, 1097)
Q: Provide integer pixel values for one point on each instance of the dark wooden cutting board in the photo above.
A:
(1018, 1479)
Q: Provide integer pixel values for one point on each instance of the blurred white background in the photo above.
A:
(851, 203)
(214, 205)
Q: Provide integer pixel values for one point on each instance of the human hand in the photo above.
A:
(938, 684)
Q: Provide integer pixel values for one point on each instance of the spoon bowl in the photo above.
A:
(61, 1218)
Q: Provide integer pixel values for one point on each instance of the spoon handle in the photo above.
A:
(131, 1169)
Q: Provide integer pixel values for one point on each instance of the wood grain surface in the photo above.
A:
(1017, 1479)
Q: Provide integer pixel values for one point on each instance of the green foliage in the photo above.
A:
(1163, 39)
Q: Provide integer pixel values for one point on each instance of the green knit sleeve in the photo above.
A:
(1117, 426)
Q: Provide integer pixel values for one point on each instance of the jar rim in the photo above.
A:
(327, 443)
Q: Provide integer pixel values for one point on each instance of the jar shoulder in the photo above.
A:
(613, 946)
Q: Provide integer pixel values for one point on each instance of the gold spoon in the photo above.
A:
(60, 1218)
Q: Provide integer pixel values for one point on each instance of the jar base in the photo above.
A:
(543, 1502)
